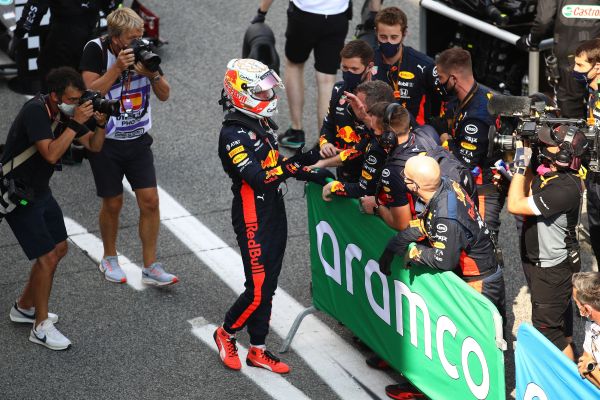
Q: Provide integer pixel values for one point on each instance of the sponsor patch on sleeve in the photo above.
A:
(239, 158)
(235, 151)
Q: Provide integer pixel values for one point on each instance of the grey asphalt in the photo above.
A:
(138, 345)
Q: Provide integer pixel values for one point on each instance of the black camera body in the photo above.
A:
(14, 193)
(142, 50)
(521, 118)
(100, 104)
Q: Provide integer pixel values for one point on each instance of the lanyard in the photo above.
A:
(462, 106)
(394, 70)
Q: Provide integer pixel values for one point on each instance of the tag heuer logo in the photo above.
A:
(581, 11)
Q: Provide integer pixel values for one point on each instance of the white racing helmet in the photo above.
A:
(249, 85)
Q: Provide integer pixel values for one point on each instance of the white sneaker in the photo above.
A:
(47, 335)
(18, 314)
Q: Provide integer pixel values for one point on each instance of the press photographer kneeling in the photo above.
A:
(40, 134)
(549, 195)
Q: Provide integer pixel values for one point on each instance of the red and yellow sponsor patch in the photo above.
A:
(270, 160)
(348, 154)
(274, 172)
(468, 146)
(348, 135)
(337, 186)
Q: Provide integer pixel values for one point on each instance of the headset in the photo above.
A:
(565, 155)
(388, 138)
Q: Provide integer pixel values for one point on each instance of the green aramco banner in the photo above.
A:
(431, 326)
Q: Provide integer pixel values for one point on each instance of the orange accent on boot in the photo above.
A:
(227, 349)
(265, 359)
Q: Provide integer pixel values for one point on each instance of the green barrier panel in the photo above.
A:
(430, 325)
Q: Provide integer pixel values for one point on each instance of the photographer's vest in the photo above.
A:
(133, 92)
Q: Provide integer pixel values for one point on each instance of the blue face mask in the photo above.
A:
(389, 50)
(351, 80)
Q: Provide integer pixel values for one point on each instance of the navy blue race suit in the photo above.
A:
(452, 236)
(345, 132)
(393, 190)
(469, 123)
(251, 159)
(593, 187)
(413, 79)
(375, 157)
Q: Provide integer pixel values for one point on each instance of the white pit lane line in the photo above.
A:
(92, 245)
(338, 363)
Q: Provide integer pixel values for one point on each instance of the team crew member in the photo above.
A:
(410, 73)
(570, 30)
(72, 24)
(40, 134)
(587, 71)
(456, 238)
(450, 236)
(586, 293)
(468, 122)
(341, 132)
(549, 246)
(109, 66)
(376, 154)
(392, 200)
(250, 156)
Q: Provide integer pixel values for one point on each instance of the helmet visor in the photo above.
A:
(268, 81)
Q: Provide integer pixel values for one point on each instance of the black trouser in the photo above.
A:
(260, 224)
(63, 47)
(492, 287)
(570, 94)
(593, 212)
(551, 306)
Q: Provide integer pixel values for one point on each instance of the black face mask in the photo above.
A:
(581, 77)
(444, 90)
(352, 80)
(389, 50)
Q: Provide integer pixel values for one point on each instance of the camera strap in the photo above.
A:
(26, 154)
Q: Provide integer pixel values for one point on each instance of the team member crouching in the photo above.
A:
(250, 156)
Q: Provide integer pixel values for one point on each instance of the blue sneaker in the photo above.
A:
(111, 269)
(156, 275)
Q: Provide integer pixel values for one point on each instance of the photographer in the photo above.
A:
(551, 202)
(250, 156)
(586, 293)
(587, 72)
(118, 71)
(40, 134)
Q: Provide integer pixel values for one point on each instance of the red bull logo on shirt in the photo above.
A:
(347, 134)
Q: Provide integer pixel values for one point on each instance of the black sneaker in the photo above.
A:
(292, 139)
(377, 362)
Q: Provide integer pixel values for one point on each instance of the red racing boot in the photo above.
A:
(227, 349)
(260, 358)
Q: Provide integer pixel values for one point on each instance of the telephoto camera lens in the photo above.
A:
(143, 52)
(100, 104)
